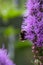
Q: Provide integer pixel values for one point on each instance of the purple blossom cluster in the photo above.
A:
(4, 59)
(32, 25)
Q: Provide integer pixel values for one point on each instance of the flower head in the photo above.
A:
(33, 22)
(4, 59)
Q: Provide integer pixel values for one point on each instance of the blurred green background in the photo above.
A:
(11, 17)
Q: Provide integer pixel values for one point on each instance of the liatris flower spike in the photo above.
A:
(32, 26)
(4, 59)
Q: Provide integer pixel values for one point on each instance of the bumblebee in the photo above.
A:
(22, 35)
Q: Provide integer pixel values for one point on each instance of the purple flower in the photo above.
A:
(4, 59)
(33, 22)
